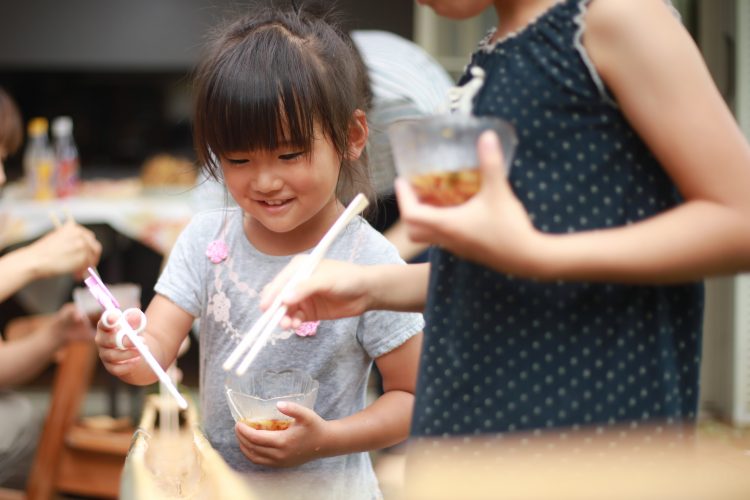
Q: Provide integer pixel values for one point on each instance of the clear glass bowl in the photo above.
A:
(252, 398)
(438, 154)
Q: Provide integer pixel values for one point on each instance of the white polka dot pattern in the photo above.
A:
(504, 354)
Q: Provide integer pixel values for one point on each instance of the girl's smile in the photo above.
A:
(275, 207)
(285, 191)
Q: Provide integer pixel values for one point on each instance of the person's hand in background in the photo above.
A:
(24, 358)
(70, 248)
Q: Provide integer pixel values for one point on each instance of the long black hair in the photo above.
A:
(271, 77)
(11, 126)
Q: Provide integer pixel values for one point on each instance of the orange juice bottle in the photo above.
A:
(39, 161)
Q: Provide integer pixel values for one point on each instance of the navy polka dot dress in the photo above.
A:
(505, 354)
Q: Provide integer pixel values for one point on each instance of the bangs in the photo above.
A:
(263, 95)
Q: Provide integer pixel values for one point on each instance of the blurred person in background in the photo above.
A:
(406, 83)
(70, 248)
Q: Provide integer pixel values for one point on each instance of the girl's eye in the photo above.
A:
(236, 161)
(291, 156)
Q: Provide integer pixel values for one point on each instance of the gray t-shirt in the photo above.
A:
(225, 296)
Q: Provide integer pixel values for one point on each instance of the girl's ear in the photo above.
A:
(358, 133)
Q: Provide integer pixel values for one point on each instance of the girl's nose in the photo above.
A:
(266, 180)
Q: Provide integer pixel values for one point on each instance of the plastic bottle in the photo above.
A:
(67, 165)
(39, 161)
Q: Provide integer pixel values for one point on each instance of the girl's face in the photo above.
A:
(457, 9)
(289, 195)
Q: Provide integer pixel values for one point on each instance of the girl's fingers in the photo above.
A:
(301, 414)
(134, 317)
(491, 163)
(257, 439)
(272, 289)
(411, 209)
(119, 356)
(255, 456)
(120, 369)
(407, 198)
(108, 320)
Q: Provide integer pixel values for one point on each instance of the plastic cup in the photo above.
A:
(127, 294)
(252, 398)
(438, 154)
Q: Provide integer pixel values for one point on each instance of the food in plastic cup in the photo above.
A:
(252, 397)
(438, 154)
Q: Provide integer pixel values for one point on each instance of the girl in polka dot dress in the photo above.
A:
(570, 294)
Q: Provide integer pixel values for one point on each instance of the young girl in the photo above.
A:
(280, 102)
(570, 294)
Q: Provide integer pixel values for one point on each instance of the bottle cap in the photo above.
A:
(38, 126)
(62, 125)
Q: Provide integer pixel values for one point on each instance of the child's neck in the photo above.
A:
(302, 238)
(515, 15)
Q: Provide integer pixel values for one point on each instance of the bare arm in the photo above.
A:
(386, 421)
(662, 86)
(17, 270)
(398, 235)
(664, 89)
(70, 248)
(23, 359)
(167, 327)
(340, 289)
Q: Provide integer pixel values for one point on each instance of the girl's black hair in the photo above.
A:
(271, 77)
(11, 126)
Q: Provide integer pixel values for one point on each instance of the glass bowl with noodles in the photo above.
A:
(438, 154)
(252, 398)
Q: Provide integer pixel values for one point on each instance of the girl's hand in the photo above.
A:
(335, 290)
(70, 248)
(492, 228)
(298, 444)
(118, 362)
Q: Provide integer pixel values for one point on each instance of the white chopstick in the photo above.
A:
(256, 338)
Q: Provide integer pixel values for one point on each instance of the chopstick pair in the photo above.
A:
(56, 220)
(108, 302)
(256, 338)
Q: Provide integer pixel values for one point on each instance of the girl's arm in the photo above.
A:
(167, 326)
(660, 82)
(384, 423)
(340, 289)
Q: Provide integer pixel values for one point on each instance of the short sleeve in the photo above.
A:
(384, 331)
(183, 280)
(380, 332)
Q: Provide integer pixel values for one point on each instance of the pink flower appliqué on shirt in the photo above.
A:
(217, 251)
(307, 329)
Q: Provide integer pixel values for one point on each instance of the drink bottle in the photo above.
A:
(39, 161)
(67, 163)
